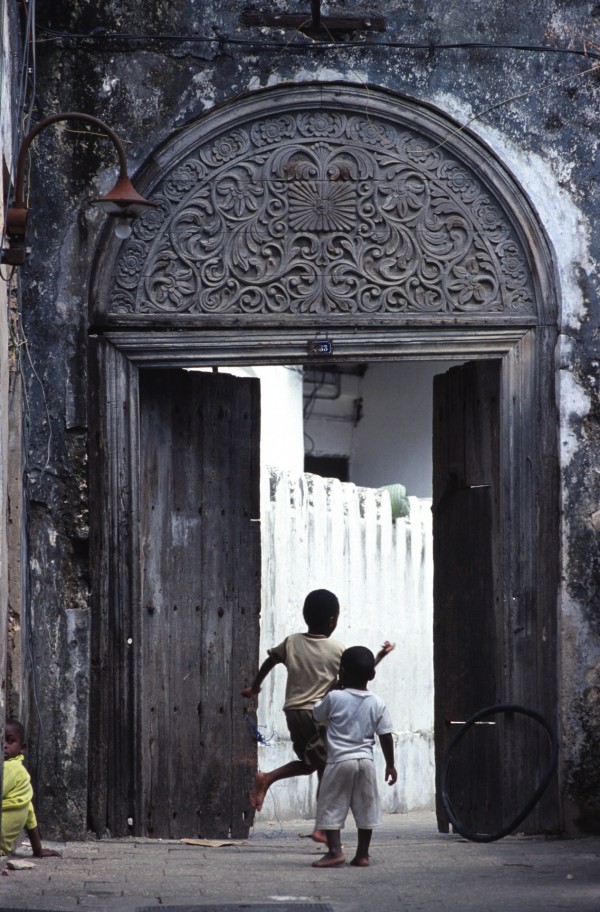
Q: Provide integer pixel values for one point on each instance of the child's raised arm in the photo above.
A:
(269, 663)
(385, 650)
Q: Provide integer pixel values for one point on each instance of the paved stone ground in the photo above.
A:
(413, 868)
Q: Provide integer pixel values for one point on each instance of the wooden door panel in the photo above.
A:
(198, 623)
(474, 762)
(467, 598)
(465, 659)
(464, 623)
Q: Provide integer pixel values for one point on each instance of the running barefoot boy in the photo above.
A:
(353, 716)
(312, 660)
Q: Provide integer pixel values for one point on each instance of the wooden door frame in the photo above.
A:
(468, 635)
(529, 506)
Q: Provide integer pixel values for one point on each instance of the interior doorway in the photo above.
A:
(516, 674)
(319, 530)
(461, 405)
(461, 402)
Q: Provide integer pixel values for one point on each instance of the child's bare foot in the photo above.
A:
(318, 836)
(261, 787)
(360, 861)
(329, 860)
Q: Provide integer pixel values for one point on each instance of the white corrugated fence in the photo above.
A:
(319, 532)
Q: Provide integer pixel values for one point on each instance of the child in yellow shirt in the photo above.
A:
(17, 795)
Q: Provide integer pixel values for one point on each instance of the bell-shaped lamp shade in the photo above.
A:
(123, 201)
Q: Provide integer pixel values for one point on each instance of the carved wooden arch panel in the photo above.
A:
(310, 201)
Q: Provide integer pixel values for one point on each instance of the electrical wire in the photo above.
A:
(103, 35)
(313, 395)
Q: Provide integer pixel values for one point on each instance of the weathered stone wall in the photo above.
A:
(538, 113)
(6, 135)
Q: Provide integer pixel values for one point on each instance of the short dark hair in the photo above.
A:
(14, 723)
(319, 606)
(359, 662)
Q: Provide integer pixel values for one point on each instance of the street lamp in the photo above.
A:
(122, 202)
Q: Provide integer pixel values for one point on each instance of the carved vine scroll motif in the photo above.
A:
(322, 213)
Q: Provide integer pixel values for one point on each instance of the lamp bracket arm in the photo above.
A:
(19, 202)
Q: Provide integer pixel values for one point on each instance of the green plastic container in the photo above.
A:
(399, 500)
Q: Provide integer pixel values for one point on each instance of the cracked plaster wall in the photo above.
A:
(539, 115)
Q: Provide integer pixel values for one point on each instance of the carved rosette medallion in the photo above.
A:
(322, 213)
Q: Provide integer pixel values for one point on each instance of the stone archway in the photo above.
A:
(363, 220)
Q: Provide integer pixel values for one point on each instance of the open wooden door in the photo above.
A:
(196, 635)
(468, 641)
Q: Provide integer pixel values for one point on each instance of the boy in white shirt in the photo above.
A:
(353, 716)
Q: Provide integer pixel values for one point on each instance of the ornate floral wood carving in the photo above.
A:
(322, 212)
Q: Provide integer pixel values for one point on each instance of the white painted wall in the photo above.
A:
(281, 433)
(391, 443)
(329, 425)
(321, 533)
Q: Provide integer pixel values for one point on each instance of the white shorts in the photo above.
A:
(349, 785)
